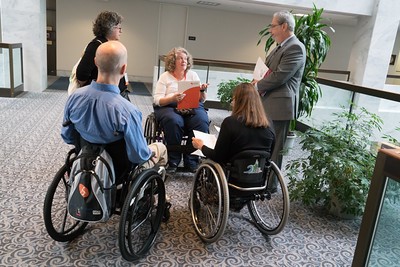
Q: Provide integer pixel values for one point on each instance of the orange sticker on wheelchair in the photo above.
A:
(83, 190)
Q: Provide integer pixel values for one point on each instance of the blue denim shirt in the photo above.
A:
(101, 115)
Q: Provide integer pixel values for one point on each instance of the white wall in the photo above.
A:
(220, 35)
(139, 32)
(225, 35)
(24, 21)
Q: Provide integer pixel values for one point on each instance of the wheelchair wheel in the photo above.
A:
(60, 226)
(141, 215)
(209, 201)
(270, 211)
(150, 128)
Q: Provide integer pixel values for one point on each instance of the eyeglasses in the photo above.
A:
(271, 26)
(118, 27)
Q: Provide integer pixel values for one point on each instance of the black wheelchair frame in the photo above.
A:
(153, 132)
(213, 195)
(140, 202)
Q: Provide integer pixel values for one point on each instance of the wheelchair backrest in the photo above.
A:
(247, 168)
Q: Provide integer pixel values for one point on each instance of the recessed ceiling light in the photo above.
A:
(206, 3)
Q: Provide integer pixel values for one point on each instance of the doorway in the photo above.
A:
(51, 37)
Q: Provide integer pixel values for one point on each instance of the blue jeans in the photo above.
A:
(176, 126)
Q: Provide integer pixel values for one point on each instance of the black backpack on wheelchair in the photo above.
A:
(92, 186)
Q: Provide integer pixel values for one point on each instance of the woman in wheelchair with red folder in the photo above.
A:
(248, 127)
(176, 123)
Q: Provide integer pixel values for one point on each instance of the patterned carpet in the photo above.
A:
(31, 153)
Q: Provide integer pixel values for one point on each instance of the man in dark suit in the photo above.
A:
(279, 89)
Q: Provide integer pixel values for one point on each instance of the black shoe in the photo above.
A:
(237, 205)
(272, 190)
(192, 169)
(171, 169)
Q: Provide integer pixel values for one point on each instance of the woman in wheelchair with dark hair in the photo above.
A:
(248, 127)
(176, 124)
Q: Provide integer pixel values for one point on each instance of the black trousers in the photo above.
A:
(281, 131)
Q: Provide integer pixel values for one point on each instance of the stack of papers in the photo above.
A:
(260, 70)
(208, 139)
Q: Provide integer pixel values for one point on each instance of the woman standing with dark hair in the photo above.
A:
(178, 63)
(247, 128)
(106, 27)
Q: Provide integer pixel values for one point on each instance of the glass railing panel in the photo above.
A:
(5, 68)
(387, 233)
(217, 75)
(17, 67)
(333, 100)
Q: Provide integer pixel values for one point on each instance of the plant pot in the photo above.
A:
(290, 139)
(336, 210)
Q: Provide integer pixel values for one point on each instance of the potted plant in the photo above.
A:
(310, 31)
(225, 90)
(339, 164)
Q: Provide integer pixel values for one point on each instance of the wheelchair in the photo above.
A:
(140, 201)
(153, 132)
(242, 182)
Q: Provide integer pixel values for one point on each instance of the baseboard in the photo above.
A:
(132, 78)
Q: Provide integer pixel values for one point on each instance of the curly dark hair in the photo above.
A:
(170, 59)
(105, 22)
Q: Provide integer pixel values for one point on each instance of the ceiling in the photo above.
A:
(260, 8)
(247, 6)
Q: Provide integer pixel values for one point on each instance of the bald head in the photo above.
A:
(111, 58)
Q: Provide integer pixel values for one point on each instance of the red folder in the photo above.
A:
(191, 89)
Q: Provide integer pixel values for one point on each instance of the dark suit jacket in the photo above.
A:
(280, 89)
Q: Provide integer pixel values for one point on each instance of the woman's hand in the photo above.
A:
(203, 86)
(197, 143)
(177, 97)
(203, 95)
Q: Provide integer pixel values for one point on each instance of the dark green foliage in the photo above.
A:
(225, 90)
(339, 163)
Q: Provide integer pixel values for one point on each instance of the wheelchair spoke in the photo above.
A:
(270, 212)
(141, 214)
(58, 224)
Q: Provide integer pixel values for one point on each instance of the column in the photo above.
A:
(373, 45)
(24, 21)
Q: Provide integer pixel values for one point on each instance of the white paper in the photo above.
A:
(184, 85)
(208, 140)
(217, 128)
(259, 70)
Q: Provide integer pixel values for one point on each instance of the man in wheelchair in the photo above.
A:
(83, 190)
(99, 115)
